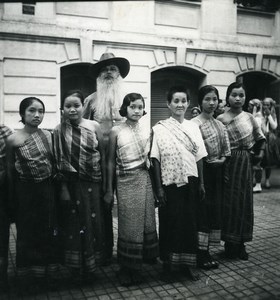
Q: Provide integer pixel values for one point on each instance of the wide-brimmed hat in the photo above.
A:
(108, 59)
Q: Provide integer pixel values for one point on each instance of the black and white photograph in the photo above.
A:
(140, 150)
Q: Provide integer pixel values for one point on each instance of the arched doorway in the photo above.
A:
(258, 85)
(162, 80)
(76, 76)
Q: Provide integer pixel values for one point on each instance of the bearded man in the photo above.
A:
(103, 106)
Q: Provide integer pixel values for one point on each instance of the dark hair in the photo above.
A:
(76, 93)
(204, 91)
(234, 85)
(177, 89)
(127, 100)
(25, 103)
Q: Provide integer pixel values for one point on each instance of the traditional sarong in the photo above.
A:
(210, 210)
(35, 200)
(79, 225)
(237, 207)
(209, 218)
(137, 236)
(36, 247)
(82, 219)
(178, 224)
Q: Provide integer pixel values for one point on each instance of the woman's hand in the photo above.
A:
(257, 158)
(109, 200)
(64, 192)
(161, 196)
(201, 191)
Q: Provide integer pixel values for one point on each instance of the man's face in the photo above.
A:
(109, 72)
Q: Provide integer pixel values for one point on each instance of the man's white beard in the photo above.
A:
(109, 97)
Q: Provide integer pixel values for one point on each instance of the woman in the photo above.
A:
(271, 156)
(217, 145)
(177, 151)
(30, 170)
(128, 154)
(4, 210)
(79, 154)
(247, 144)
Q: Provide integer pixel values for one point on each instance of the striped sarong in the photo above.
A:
(210, 210)
(137, 236)
(237, 206)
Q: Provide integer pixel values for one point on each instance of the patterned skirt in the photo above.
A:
(237, 207)
(81, 226)
(137, 236)
(178, 224)
(210, 210)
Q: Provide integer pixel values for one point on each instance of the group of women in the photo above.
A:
(199, 173)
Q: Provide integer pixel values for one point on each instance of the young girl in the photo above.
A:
(177, 152)
(30, 170)
(79, 154)
(245, 137)
(137, 237)
(218, 148)
(4, 210)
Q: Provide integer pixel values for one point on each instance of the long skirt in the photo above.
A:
(4, 231)
(36, 246)
(237, 207)
(81, 226)
(210, 210)
(137, 236)
(178, 224)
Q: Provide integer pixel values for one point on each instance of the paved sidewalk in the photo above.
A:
(257, 278)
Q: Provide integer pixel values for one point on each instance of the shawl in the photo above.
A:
(76, 151)
(216, 139)
(132, 148)
(244, 131)
(177, 147)
(34, 158)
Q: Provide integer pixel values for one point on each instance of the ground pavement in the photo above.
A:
(257, 278)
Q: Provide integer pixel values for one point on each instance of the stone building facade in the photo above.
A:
(46, 48)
